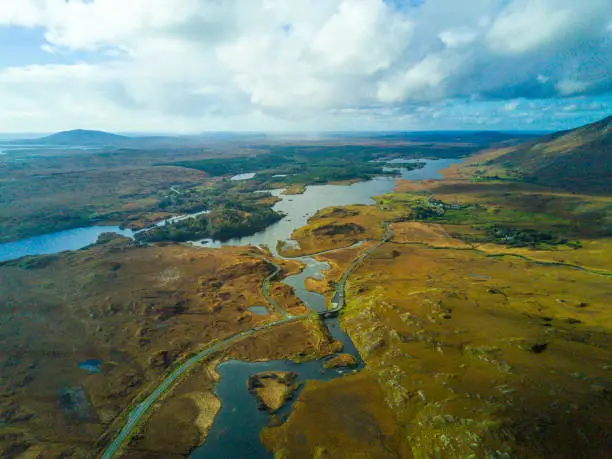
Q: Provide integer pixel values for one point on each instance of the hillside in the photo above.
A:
(579, 159)
(82, 137)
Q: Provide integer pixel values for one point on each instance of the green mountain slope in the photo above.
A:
(579, 159)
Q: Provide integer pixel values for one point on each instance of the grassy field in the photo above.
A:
(165, 303)
(481, 348)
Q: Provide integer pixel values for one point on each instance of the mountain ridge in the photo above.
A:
(82, 137)
(579, 159)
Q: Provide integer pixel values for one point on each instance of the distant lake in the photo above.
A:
(72, 239)
(298, 209)
(428, 172)
(246, 176)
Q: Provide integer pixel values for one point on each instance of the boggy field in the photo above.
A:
(128, 315)
(484, 323)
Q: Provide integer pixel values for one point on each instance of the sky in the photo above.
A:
(188, 66)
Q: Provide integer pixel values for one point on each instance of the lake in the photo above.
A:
(72, 239)
(235, 431)
(246, 176)
(298, 208)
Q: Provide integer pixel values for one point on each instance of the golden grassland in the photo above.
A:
(338, 261)
(468, 348)
(295, 188)
(272, 389)
(181, 420)
(346, 417)
(336, 227)
(426, 233)
(476, 355)
(472, 348)
(138, 310)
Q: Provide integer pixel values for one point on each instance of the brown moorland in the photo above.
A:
(136, 310)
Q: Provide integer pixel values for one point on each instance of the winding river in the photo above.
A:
(235, 432)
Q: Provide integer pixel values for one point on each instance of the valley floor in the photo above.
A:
(482, 314)
(473, 347)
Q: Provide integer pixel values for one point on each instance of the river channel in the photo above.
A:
(235, 432)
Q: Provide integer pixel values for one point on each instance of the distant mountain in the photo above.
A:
(579, 159)
(82, 137)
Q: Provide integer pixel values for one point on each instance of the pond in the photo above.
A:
(91, 365)
(259, 310)
(246, 176)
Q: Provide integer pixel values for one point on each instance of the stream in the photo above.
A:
(236, 428)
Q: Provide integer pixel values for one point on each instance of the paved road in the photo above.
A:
(141, 409)
(338, 298)
(266, 286)
(136, 415)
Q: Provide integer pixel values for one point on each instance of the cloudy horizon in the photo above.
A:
(189, 66)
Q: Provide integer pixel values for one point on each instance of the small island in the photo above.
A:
(341, 361)
(272, 389)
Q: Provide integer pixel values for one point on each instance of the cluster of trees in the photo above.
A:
(522, 237)
(223, 223)
(426, 210)
(235, 165)
(305, 164)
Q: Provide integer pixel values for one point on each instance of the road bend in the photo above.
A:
(137, 413)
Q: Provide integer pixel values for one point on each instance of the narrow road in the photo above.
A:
(321, 252)
(338, 298)
(266, 286)
(137, 414)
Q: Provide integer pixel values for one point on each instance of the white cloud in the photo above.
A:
(457, 38)
(526, 25)
(571, 87)
(422, 81)
(199, 64)
(511, 106)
